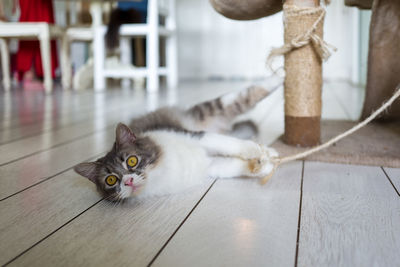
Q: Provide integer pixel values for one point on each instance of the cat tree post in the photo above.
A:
(303, 67)
(304, 50)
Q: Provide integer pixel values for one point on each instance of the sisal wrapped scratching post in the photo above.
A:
(303, 81)
(304, 50)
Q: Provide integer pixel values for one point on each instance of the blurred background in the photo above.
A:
(209, 47)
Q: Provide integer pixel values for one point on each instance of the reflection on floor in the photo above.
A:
(309, 214)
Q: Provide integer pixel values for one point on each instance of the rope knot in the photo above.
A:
(322, 48)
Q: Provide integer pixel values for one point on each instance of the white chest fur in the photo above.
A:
(183, 163)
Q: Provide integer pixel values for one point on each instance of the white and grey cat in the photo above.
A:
(171, 149)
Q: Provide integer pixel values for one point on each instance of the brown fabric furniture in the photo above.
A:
(363, 4)
(383, 58)
(248, 9)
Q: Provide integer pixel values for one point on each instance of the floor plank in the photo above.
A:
(394, 175)
(241, 223)
(108, 235)
(25, 172)
(27, 146)
(35, 98)
(28, 217)
(25, 108)
(101, 104)
(350, 217)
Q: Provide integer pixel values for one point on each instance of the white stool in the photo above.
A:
(80, 33)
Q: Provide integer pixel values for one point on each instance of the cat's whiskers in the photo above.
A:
(110, 199)
(115, 199)
(120, 197)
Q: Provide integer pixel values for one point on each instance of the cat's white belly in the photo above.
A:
(183, 164)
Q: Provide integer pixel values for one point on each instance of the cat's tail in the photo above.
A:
(229, 105)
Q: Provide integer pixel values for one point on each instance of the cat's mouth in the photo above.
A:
(133, 187)
(133, 184)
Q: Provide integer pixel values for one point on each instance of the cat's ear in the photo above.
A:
(87, 169)
(124, 134)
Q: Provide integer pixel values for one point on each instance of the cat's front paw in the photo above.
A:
(254, 165)
(263, 165)
(259, 167)
(268, 152)
(251, 150)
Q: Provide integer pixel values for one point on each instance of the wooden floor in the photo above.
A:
(309, 214)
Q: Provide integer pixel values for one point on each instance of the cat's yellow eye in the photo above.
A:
(111, 180)
(132, 161)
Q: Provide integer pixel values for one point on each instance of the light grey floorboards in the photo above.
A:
(394, 176)
(22, 173)
(50, 216)
(27, 146)
(31, 215)
(108, 235)
(99, 105)
(241, 223)
(33, 108)
(350, 217)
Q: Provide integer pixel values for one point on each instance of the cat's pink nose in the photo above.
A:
(129, 182)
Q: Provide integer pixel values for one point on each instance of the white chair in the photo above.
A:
(41, 31)
(79, 33)
(152, 31)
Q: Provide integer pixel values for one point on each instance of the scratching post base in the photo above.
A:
(302, 131)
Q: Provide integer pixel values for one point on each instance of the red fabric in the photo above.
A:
(29, 51)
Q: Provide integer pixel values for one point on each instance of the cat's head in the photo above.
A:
(121, 173)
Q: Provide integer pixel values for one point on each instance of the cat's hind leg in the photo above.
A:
(217, 115)
(229, 105)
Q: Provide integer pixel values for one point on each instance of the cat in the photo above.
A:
(172, 149)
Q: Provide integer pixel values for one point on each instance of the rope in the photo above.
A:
(277, 161)
(322, 48)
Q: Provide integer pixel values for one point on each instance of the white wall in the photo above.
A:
(211, 45)
(341, 30)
